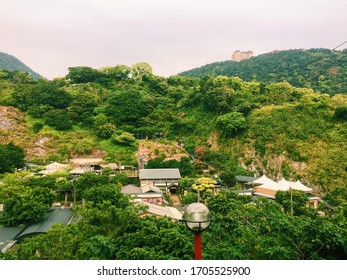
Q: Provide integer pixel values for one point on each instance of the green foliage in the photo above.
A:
(341, 113)
(124, 138)
(43, 94)
(228, 176)
(10, 63)
(320, 69)
(277, 128)
(232, 123)
(261, 230)
(37, 127)
(189, 197)
(12, 156)
(24, 205)
(126, 107)
(185, 182)
(293, 200)
(59, 119)
(83, 74)
(82, 107)
(184, 165)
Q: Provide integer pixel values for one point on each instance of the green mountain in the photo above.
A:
(321, 69)
(275, 129)
(10, 63)
(128, 115)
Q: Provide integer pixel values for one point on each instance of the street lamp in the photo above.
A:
(197, 218)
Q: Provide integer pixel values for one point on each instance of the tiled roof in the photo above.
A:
(165, 173)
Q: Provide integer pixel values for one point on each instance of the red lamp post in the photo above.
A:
(197, 218)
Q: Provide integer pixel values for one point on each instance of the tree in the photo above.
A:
(232, 123)
(82, 107)
(12, 156)
(88, 180)
(83, 74)
(185, 182)
(217, 93)
(60, 243)
(126, 107)
(341, 113)
(141, 69)
(118, 73)
(102, 127)
(292, 201)
(59, 119)
(228, 177)
(109, 192)
(24, 205)
(203, 184)
(124, 138)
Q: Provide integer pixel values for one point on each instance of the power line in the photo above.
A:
(310, 78)
(320, 58)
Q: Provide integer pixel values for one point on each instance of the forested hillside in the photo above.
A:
(10, 63)
(321, 69)
(275, 128)
(228, 126)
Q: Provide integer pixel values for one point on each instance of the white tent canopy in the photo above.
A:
(281, 185)
(300, 186)
(287, 185)
(263, 180)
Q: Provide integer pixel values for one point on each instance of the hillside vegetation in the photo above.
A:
(275, 129)
(11, 63)
(227, 126)
(320, 69)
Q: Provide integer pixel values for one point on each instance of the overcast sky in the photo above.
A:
(171, 35)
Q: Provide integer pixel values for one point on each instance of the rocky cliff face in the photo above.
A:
(13, 127)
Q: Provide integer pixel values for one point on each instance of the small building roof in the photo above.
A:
(78, 171)
(164, 173)
(91, 161)
(54, 216)
(111, 165)
(245, 179)
(170, 212)
(53, 167)
(149, 188)
(145, 189)
(131, 189)
(56, 166)
(7, 236)
(264, 195)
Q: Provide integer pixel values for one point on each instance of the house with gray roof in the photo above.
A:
(10, 235)
(145, 193)
(59, 215)
(163, 178)
(162, 211)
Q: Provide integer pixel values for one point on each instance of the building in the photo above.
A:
(11, 235)
(145, 193)
(266, 187)
(53, 167)
(165, 179)
(246, 181)
(161, 211)
(238, 55)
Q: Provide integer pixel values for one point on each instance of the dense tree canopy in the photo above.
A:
(224, 127)
(12, 156)
(320, 69)
(23, 205)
